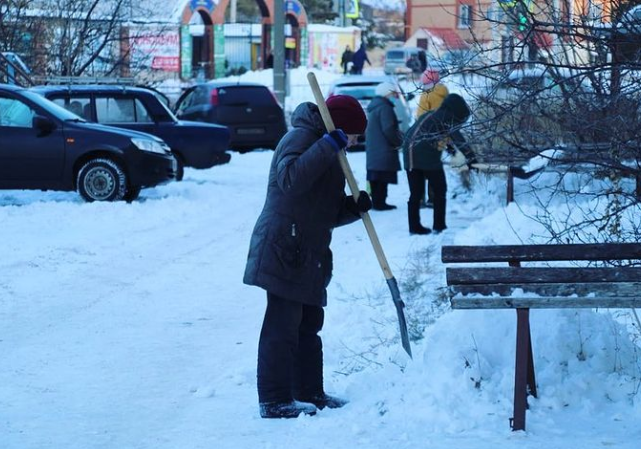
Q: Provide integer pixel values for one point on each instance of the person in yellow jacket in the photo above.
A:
(434, 92)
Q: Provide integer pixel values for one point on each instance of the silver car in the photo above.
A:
(363, 88)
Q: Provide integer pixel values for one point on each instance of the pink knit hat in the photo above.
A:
(429, 78)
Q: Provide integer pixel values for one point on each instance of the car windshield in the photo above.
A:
(396, 55)
(51, 107)
(358, 92)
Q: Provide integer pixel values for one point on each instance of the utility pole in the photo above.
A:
(279, 51)
(232, 11)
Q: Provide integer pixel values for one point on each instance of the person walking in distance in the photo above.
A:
(422, 151)
(382, 142)
(359, 59)
(346, 59)
(290, 257)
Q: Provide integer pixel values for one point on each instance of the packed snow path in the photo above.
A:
(128, 326)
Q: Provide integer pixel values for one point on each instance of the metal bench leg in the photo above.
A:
(531, 380)
(522, 368)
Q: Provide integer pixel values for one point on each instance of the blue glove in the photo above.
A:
(337, 138)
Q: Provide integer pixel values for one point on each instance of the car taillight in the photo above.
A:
(213, 99)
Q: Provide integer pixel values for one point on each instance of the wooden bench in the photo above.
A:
(541, 287)
(587, 158)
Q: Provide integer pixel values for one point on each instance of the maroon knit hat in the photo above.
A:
(347, 114)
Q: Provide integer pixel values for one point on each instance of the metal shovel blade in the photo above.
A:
(400, 305)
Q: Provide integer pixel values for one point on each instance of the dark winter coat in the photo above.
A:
(347, 56)
(359, 58)
(382, 136)
(421, 144)
(289, 253)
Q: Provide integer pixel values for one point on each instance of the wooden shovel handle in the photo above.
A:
(349, 176)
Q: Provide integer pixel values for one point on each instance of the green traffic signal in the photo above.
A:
(522, 22)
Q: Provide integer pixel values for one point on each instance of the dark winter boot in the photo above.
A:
(291, 409)
(384, 206)
(414, 219)
(324, 400)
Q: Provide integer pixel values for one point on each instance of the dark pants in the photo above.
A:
(379, 193)
(290, 352)
(438, 184)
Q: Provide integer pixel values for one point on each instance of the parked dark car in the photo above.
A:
(44, 146)
(250, 111)
(194, 144)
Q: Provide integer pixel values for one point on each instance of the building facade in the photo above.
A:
(503, 25)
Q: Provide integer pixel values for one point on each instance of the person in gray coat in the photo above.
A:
(382, 141)
(290, 256)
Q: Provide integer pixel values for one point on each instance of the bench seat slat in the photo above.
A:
(534, 253)
(507, 275)
(542, 302)
(609, 290)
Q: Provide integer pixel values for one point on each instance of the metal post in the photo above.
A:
(510, 185)
(521, 368)
(232, 12)
(279, 51)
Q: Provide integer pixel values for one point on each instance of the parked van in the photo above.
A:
(396, 59)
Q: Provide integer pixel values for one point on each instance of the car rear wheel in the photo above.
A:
(102, 180)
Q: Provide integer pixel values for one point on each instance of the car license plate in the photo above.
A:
(251, 131)
(174, 164)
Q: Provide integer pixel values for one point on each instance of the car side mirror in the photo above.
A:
(43, 125)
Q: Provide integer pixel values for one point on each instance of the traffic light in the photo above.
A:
(522, 15)
(522, 22)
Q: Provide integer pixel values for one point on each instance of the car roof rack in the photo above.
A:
(118, 80)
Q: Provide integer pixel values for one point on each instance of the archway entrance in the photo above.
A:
(201, 31)
(203, 37)
(296, 45)
(197, 40)
(293, 42)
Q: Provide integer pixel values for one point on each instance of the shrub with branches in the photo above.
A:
(550, 77)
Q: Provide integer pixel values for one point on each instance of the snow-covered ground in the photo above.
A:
(128, 326)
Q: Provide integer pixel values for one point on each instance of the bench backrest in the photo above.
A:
(543, 287)
(542, 253)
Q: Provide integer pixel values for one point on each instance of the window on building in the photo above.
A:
(465, 16)
(421, 43)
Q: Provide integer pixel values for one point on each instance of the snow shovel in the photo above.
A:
(369, 226)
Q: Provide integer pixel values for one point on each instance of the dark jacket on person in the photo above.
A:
(359, 58)
(382, 136)
(421, 144)
(289, 253)
(347, 56)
